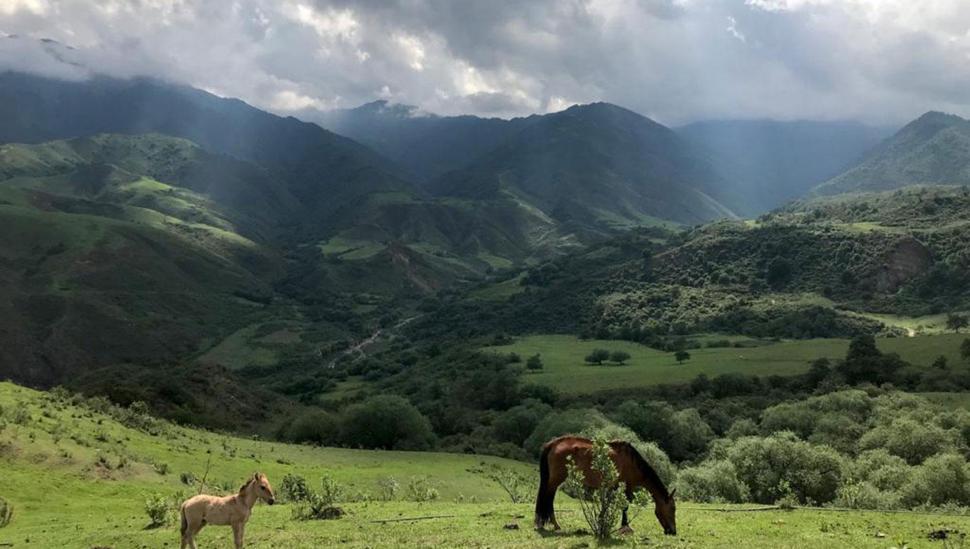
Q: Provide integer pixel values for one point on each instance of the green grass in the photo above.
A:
(350, 249)
(500, 291)
(62, 498)
(239, 350)
(565, 370)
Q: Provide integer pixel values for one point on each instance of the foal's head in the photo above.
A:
(259, 484)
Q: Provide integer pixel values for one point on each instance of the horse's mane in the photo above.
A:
(645, 469)
(244, 486)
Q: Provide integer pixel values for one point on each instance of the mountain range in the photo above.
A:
(150, 223)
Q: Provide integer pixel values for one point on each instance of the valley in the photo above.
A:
(401, 309)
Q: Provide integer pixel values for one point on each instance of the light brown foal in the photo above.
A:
(233, 510)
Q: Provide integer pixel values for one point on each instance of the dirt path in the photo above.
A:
(359, 347)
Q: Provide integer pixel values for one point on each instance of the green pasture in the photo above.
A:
(78, 479)
(565, 370)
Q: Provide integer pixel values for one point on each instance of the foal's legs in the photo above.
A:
(237, 533)
(192, 531)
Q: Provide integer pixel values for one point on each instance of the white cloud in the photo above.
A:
(676, 60)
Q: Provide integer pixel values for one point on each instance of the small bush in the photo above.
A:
(188, 478)
(317, 508)
(534, 362)
(388, 488)
(712, 482)
(158, 509)
(419, 489)
(619, 357)
(161, 468)
(516, 485)
(603, 505)
(294, 488)
(597, 356)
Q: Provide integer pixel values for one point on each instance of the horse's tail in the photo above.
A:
(545, 497)
(185, 521)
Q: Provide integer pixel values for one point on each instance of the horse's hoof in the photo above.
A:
(625, 531)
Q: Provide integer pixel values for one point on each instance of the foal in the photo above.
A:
(233, 510)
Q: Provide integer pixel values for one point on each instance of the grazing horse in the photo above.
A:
(633, 471)
(233, 510)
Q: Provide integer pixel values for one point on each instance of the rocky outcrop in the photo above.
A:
(907, 259)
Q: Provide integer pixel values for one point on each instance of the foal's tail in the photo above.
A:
(545, 498)
(185, 522)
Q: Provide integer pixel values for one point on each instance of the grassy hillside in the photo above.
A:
(70, 463)
(933, 149)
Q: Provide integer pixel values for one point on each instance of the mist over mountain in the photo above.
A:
(772, 162)
(934, 149)
(424, 144)
(321, 168)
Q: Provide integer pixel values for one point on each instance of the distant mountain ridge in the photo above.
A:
(934, 149)
(599, 165)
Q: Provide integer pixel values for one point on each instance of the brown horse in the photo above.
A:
(633, 470)
(233, 510)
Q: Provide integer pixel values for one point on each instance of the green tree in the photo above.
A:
(957, 322)
(940, 363)
(779, 272)
(598, 356)
(315, 427)
(619, 357)
(965, 349)
(534, 362)
(681, 356)
(388, 422)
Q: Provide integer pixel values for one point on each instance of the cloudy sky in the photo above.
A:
(881, 61)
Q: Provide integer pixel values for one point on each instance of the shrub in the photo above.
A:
(388, 422)
(419, 489)
(619, 357)
(912, 440)
(294, 488)
(534, 362)
(187, 478)
(315, 427)
(321, 505)
(602, 505)
(387, 488)
(863, 495)
(161, 468)
(681, 356)
(597, 356)
(965, 349)
(775, 466)
(942, 479)
(516, 485)
(330, 490)
(518, 422)
(158, 509)
(712, 482)
(6, 512)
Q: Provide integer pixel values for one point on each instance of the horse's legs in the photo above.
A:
(237, 534)
(552, 505)
(625, 523)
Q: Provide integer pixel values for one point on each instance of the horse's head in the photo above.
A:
(260, 484)
(666, 511)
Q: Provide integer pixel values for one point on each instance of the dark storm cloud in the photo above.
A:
(675, 60)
